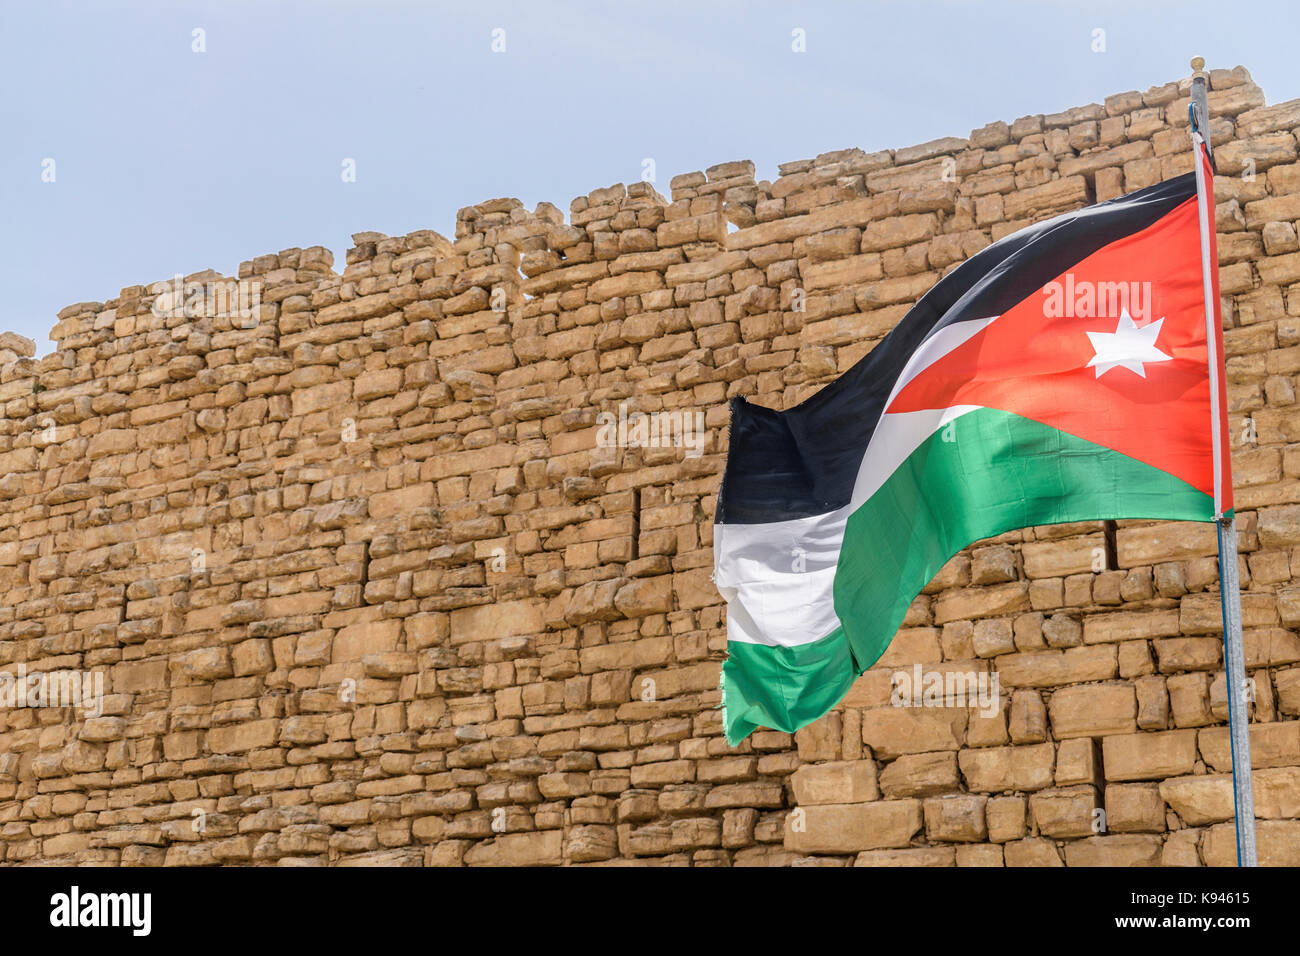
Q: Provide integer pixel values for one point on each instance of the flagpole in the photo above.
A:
(1243, 793)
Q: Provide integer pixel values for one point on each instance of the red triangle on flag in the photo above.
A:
(1083, 354)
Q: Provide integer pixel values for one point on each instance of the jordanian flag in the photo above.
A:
(1062, 374)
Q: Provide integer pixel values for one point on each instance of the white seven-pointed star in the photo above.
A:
(1127, 346)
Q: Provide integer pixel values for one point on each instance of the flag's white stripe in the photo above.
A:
(783, 610)
(778, 577)
(900, 435)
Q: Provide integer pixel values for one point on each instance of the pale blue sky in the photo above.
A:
(173, 161)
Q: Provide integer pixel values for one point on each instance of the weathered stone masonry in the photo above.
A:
(364, 587)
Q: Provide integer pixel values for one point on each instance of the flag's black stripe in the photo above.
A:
(804, 461)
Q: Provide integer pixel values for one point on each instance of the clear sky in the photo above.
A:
(169, 160)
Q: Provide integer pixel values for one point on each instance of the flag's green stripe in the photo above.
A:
(783, 688)
(986, 473)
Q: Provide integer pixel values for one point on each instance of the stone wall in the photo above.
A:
(364, 586)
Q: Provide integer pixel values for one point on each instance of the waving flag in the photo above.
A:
(1062, 374)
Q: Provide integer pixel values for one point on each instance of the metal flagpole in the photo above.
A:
(1243, 792)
